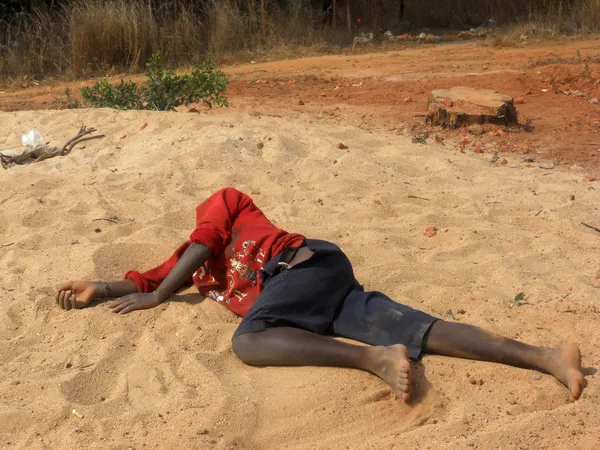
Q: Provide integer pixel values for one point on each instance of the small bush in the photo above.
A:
(124, 95)
(164, 89)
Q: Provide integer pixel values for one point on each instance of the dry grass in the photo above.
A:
(87, 37)
(556, 16)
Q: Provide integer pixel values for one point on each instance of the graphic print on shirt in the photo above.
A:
(204, 278)
(244, 270)
(253, 251)
(239, 295)
(200, 273)
(217, 297)
(243, 265)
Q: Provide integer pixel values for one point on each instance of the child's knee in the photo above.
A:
(241, 345)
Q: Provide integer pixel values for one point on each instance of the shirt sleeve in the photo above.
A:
(150, 280)
(215, 218)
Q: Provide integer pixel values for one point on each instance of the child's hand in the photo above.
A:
(75, 294)
(131, 302)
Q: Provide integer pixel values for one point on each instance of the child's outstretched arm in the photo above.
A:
(193, 258)
(214, 221)
(78, 294)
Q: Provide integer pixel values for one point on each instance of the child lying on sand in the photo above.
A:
(295, 293)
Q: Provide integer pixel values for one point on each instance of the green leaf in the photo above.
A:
(519, 298)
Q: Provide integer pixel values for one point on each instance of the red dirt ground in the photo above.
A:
(388, 92)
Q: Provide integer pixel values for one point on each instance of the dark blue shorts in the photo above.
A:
(321, 295)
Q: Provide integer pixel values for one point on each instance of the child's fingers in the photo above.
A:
(61, 298)
(122, 303)
(64, 286)
(73, 300)
(61, 289)
(66, 300)
(131, 307)
(122, 307)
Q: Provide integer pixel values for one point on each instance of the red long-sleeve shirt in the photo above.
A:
(241, 239)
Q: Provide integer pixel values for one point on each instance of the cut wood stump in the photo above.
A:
(453, 108)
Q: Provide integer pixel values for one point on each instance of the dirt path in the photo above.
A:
(388, 92)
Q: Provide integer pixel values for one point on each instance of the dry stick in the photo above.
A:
(108, 220)
(79, 141)
(590, 226)
(71, 143)
(6, 245)
(82, 132)
(43, 152)
(420, 198)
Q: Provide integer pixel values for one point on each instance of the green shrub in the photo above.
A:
(124, 95)
(164, 89)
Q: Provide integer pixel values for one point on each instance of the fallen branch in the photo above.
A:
(420, 198)
(103, 218)
(42, 152)
(590, 226)
(6, 245)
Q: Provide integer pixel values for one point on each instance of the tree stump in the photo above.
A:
(453, 108)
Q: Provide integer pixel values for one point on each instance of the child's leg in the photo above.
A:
(286, 323)
(374, 318)
(293, 346)
(466, 341)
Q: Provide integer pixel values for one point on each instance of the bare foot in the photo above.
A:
(565, 365)
(391, 364)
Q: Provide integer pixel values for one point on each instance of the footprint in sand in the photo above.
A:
(3, 227)
(80, 209)
(283, 148)
(44, 187)
(180, 219)
(93, 386)
(111, 261)
(14, 320)
(40, 219)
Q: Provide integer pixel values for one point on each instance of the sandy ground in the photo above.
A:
(166, 378)
(387, 92)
